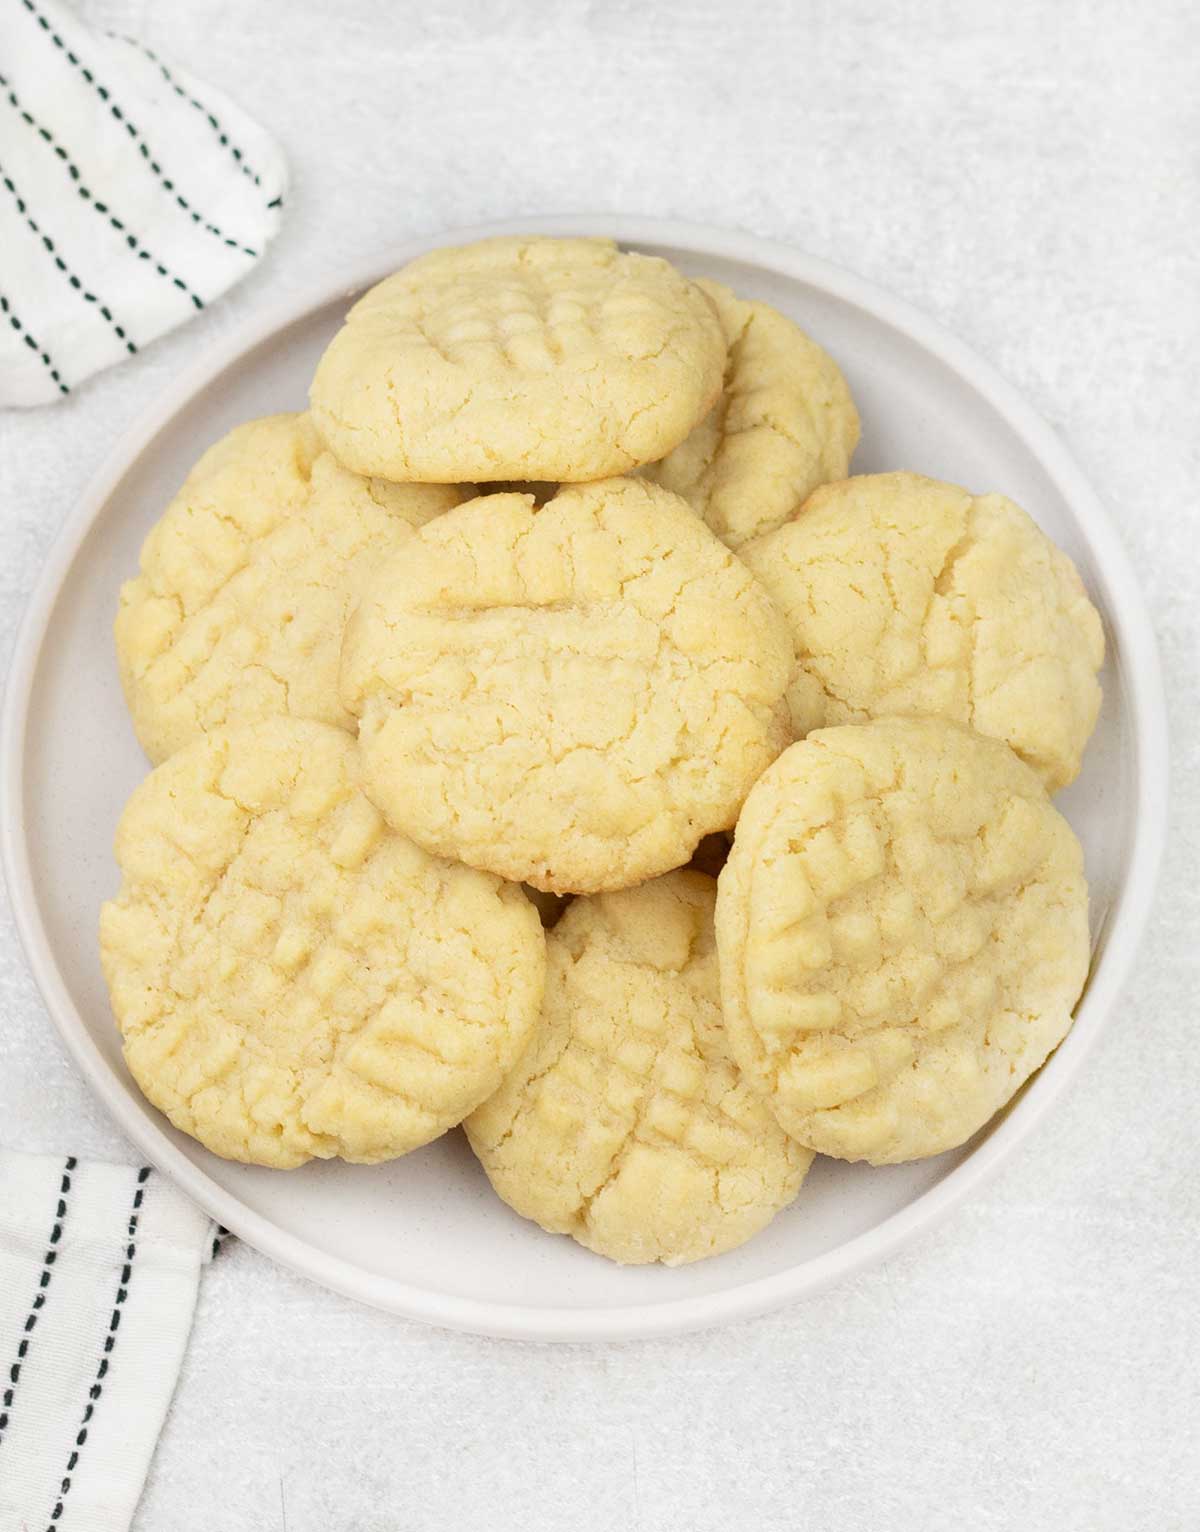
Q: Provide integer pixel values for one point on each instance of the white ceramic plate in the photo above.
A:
(425, 1236)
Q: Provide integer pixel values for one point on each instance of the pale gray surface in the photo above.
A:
(1027, 174)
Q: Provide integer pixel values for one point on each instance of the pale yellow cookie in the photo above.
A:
(783, 424)
(902, 926)
(906, 595)
(625, 1123)
(291, 978)
(247, 579)
(572, 696)
(519, 358)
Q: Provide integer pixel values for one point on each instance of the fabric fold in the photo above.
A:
(131, 195)
(99, 1269)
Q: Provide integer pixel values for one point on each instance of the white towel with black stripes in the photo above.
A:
(99, 1266)
(131, 195)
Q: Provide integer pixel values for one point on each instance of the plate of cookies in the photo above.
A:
(585, 782)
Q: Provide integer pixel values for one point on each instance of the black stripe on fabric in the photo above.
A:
(6, 312)
(210, 117)
(131, 240)
(51, 251)
(143, 148)
(110, 1341)
(39, 1297)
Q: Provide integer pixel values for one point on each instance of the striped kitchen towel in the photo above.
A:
(99, 1266)
(131, 195)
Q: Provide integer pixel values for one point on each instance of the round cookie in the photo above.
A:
(570, 697)
(783, 424)
(247, 580)
(906, 595)
(519, 358)
(292, 979)
(902, 927)
(625, 1123)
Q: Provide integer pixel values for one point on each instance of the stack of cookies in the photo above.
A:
(461, 685)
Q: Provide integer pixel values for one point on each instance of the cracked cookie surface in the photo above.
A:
(291, 978)
(902, 928)
(907, 595)
(247, 579)
(570, 697)
(519, 358)
(625, 1123)
(783, 424)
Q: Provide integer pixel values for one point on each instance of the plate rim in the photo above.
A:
(1128, 619)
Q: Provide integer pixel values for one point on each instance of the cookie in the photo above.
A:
(519, 358)
(570, 697)
(906, 595)
(783, 424)
(247, 579)
(292, 979)
(626, 1123)
(902, 927)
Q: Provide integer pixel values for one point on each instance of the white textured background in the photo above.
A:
(1027, 172)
